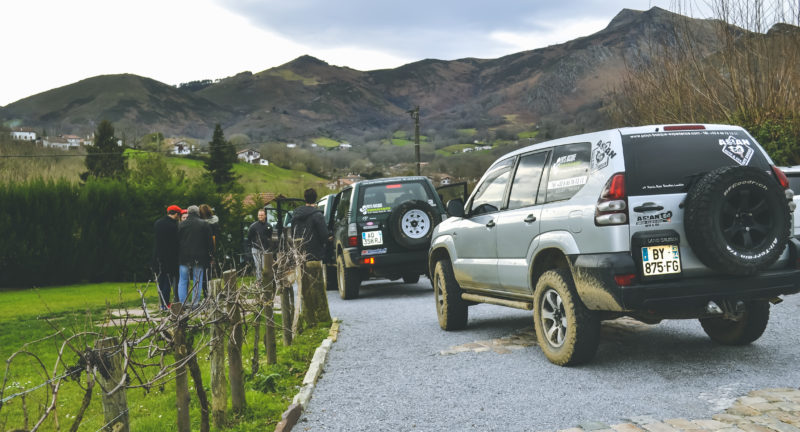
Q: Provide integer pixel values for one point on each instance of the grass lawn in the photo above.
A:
(32, 315)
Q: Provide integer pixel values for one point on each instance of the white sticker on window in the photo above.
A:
(567, 182)
(737, 149)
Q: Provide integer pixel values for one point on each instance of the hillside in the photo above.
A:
(565, 86)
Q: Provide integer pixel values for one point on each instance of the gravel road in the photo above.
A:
(388, 372)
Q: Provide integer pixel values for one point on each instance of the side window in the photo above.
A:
(344, 205)
(489, 195)
(569, 170)
(526, 180)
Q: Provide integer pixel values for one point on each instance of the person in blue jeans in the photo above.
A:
(195, 247)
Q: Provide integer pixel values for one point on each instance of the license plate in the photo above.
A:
(371, 238)
(661, 260)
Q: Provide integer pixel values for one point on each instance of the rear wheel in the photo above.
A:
(348, 279)
(451, 310)
(749, 326)
(410, 278)
(567, 331)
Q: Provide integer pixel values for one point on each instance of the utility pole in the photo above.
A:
(415, 115)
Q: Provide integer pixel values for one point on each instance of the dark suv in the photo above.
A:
(382, 228)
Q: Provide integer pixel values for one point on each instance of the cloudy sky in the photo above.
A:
(51, 43)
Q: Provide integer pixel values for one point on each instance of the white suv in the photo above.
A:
(653, 222)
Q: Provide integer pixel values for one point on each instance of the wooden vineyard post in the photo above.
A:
(181, 375)
(219, 383)
(270, 350)
(115, 400)
(235, 369)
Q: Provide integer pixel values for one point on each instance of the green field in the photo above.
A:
(325, 142)
(33, 316)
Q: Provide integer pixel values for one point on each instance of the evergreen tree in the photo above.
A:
(105, 158)
(219, 164)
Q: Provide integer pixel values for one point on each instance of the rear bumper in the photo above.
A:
(594, 280)
(388, 264)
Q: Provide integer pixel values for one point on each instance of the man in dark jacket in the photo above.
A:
(308, 223)
(165, 253)
(195, 249)
(259, 236)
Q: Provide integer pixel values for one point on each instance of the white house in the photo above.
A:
(57, 142)
(345, 146)
(263, 162)
(23, 134)
(248, 155)
(181, 148)
(291, 145)
(73, 140)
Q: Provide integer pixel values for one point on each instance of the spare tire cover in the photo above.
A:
(411, 224)
(737, 220)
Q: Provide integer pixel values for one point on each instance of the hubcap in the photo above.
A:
(415, 223)
(554, 318)
(439, 292)
(745, 218)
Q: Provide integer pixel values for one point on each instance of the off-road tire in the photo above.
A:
(411, 224)
(749, 328)
(451, 310)
(349, 280)
(737, 220)
(411, 278)
(566, 330)
(331, 278)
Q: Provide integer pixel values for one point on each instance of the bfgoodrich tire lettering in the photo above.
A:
(451, 310)
(737, 220)
(567, 331)
(742, 332)
(412, 223)
(348, 280)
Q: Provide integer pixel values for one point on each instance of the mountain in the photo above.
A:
(565, 85)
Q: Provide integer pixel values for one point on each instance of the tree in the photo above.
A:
(219, 164)
(739, 68)
(105, 159)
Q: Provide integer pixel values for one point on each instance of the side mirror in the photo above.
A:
(455, 207)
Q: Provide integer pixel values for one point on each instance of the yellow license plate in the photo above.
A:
(661, 260)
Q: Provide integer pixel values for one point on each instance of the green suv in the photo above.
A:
(382, 229)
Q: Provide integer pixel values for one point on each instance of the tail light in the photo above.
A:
(352, 235)
(370, 260)
(612, 207)
(624, 279)
(782, 179)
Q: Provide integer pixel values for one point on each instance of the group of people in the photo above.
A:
(185, 240)
(183, 252)
(308, 223)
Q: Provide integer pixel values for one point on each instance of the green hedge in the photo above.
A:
(57, 232)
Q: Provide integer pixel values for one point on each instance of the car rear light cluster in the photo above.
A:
(370, 260)
(612, 207)
(784, 182)
(352, 235)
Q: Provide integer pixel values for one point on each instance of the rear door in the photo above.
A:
(518, 223)
(659, 170)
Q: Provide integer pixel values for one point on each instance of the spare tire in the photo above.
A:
(411, 224)
(737, 220)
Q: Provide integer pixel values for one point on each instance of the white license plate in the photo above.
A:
(371, 238)
(661, 260)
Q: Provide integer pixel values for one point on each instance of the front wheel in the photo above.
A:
(749, 327)
(567, 331)
(451, 309)
(348, 280)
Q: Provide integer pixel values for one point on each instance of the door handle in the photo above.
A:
(648, 206)
(530, 218)
(491, 224)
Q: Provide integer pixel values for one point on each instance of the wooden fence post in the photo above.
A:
(219, 383)
(181, 377)
(270, 350)
(235, 368)
(115, 405)
(287, 308)
(313, 297)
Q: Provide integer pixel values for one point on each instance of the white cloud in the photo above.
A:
(548, 33)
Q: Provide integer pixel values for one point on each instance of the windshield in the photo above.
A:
(387, 196)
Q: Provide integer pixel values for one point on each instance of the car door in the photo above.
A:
(475, 236)
(452, 191)
(518, 224)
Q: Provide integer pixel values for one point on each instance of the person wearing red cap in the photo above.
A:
(165, 254)
(184, 214)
